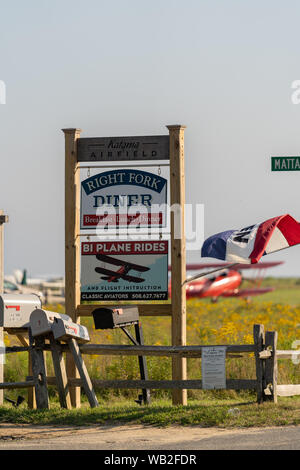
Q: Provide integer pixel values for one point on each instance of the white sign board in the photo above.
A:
(124, 197)
(213, 367)
(124, 270)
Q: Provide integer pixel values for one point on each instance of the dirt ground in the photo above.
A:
(135, 432)
(136, 437)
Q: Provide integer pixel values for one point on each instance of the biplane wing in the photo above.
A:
(119, 262)
(107, 273)
(115, 275)
(238, 267)
(248, 292)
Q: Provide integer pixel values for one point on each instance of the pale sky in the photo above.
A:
(222, 68)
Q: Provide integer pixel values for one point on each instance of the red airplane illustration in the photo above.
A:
(226, 282)
(122, 273)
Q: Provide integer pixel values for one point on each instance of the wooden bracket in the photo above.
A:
(60, 374)
(86, 381)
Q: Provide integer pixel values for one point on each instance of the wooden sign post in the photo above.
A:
(78, 150)
(178, 256)
(72, 244)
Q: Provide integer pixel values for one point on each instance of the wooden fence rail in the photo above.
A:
(231, 384)
(272, 388)
(167, 351)
(15, 385)
(286, 354)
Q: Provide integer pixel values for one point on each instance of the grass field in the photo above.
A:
(229, 321)
(217, 410)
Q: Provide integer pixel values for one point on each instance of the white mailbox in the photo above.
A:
(41, 321)
(65, 329)
(15, 309)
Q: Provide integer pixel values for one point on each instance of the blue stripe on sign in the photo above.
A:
(215, 246)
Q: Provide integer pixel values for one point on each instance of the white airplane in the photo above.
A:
(10, 286)
(49, 288)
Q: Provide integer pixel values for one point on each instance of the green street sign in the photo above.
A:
(285, 163)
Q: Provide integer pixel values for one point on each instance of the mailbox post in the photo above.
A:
(56, 328)
(15, 310)
(73, 333)
(119, 317)
(41, 323)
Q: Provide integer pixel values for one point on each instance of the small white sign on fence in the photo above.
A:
(213, 367)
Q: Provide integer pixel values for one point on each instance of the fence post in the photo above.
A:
(31, 402)
(271, 366)
(259, 339)
(39, 372)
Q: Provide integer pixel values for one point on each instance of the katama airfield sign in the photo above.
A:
(95, 149)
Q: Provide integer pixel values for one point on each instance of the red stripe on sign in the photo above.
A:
(125, 248)
(290, 229)
(263, 235)
(123, 219)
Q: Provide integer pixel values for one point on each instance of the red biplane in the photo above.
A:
(122, 273)
(225, 282)
(221, 282)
